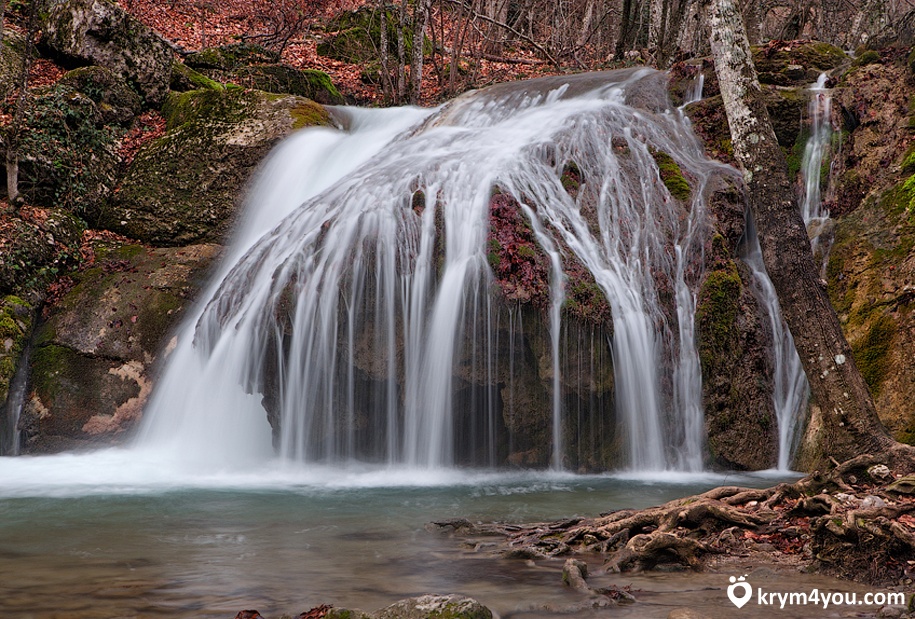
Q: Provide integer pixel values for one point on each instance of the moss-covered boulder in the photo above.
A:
(68, 151)
(16, 316)
(254, 67)
(185, 186)
(90, 368)
(36, 246)
(283, 79)
(734, 351)
(116, 102)
(99, 32)
(229, 57)
(10, 60)
(184, 78)
(435, 607)
(796, 63)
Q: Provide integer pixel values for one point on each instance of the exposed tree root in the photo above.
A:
(856, 521)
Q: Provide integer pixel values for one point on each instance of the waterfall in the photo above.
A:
(9, 429)
(358, 301)
(790, 388)
(791, 391)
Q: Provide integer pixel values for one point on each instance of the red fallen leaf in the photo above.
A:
(249, 614)
(318, 612)
(133, 319)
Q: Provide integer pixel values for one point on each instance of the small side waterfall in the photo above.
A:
(358, 303)
(791, 390)
(9, 430)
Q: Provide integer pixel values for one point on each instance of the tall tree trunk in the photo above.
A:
(845, 422)
(386, 86)
(14, 130)
(401, 52)
(420, 19)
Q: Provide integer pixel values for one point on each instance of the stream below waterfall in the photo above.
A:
(82, 544)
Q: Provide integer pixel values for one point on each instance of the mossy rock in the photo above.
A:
(90, 367)
(117, 103)
(283, 79)
(786, 107)
(228, 57)
(184, 78)
(69, 148)
(357, 37)
(736, 375)
(435, 607)
(796, 63)
(16, 316)
(99, 32)
(186, 186)
(35, 251)
(672, 176)
(10, 60)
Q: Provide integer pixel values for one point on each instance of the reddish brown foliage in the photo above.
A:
(146, 128)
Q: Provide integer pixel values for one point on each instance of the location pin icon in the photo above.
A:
(740, 584)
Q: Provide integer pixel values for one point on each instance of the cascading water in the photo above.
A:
(791, 391)
(349, 321)
(820, 111)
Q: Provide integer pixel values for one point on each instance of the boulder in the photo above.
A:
(796, 63)
(435, 607)
(117, 103)
(10, 60)
(253, 66)
(68, 152)
(185, 187)
(35, 247)
(98, 32)
(90, 367)
(735, 354)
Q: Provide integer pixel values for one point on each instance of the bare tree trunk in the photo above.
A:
(870, 19)
(14, 130)
(401, 53)
(420, 19)
(386, 86)
(847, 422)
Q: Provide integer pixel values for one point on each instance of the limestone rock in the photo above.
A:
(435, 607)
(90, 369)
(185, 187)
(101, 33)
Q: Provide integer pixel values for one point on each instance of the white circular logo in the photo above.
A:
(740, 591)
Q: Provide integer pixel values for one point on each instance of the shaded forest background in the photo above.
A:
(470, 43)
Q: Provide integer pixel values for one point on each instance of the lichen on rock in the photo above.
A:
(99, 32)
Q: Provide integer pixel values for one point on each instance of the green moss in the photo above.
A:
(672, 176)
(309, 114)
(231, 56)
(185, 78)
(51, 366)
(868, 57)
(872, 351)
(716, 313)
